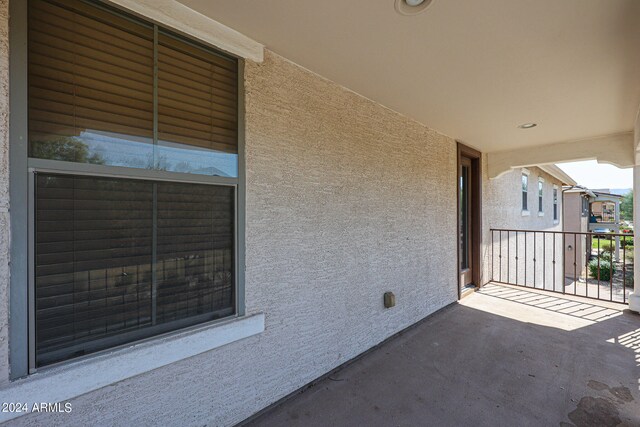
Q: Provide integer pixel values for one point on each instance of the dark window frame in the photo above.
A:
(555, 203)
(540, 195)
(23, 170)
(525, 191)
(585, 206)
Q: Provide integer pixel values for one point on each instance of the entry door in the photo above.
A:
(465, 228)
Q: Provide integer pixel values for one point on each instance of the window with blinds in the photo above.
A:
(121, 256)
(107, 89)
(197, 109)
(103, 269)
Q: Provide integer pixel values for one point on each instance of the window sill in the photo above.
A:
(64, 382)
(556, 221)
(540, 213)
(526, 213)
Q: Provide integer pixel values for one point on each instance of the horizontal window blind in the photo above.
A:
(197, 96)
(90, 78)
(99, 82)
(121, 259)
(194, 250)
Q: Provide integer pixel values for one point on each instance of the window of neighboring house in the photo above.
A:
(585, 206)
(133, 157)
(525, 189)
(555, 203)
(540, 189)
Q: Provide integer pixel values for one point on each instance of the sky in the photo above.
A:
(593, 175)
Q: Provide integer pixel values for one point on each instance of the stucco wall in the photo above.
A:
(575, 221)
(4, 191)
(502, 208)
(345, 200)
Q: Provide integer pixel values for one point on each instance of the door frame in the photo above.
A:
(476, 212)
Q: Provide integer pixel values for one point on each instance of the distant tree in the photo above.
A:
(65, 148)
(626, 207)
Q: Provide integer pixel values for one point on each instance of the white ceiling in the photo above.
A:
(472, 69)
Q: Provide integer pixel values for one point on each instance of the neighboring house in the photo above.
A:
(604, 216)
(575, 215)
(527, 199)
(604, 211)
(194, 227)
(589, 211)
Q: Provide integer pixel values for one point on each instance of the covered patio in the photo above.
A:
(496, 357)
(286, 214)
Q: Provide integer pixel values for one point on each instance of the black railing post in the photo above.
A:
(598, 275)
(624, 270)
(575, 264)
(500, 257)
(492, 259)
(508, 257)
(544, 260)
(525, 258)
(611, 267)
(587, 244)
(516, 257)
(553, 263)
(535, 253)
(564, 264)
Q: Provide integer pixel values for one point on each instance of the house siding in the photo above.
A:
(575, 221)
(502, 208)
(345, 200)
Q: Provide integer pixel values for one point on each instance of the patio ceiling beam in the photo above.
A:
(616, 149)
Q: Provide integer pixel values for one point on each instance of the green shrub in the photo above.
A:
(607, 246)
(606, 268)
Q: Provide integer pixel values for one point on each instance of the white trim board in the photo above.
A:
(190, 22)
(70, 380)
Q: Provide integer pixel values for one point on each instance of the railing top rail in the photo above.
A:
(588, 233)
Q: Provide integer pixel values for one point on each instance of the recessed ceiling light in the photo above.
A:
(528, 125)
(412, 7)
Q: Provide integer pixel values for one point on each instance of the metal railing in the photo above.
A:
(592, 265)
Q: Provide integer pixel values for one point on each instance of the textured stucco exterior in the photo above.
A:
(575, 220)
(4, 191)
(345, 200)
(502, 208)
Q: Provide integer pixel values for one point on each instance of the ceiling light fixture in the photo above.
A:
(528, 125)
(412, 7)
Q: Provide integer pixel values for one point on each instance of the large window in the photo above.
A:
(133, 164)
(525, 189)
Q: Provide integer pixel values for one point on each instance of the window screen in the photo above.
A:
(121, 259)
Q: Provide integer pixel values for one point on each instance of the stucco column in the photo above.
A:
(634, 297)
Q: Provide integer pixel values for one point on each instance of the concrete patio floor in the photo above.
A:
(504, 356)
